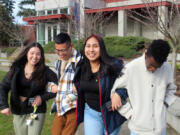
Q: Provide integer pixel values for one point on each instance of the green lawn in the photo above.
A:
(6, 123)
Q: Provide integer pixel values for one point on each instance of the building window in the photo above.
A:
(49, 12)
(40, 13)
(55, 11)
(64, 11)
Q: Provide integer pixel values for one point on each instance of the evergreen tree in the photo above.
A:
(6, 20)
(8, 5)
(27, 11)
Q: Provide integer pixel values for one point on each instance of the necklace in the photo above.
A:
(96, 80)
(28, 72)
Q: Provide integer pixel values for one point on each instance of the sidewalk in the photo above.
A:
(125, 131)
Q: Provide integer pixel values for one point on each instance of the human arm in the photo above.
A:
(119, 98)
(4, 89)
(172, 101)
(118, 91)
(6, 111)
(53, 87)
(50, 77)
(170, 94)
(171, 89)
(177, 93)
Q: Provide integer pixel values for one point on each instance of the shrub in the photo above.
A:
(126, 47)
(8, 50)
(178, 66)
(49, 47)
(75, 42)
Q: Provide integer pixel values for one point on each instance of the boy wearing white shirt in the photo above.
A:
(150, 85)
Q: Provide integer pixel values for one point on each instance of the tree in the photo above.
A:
(21, 34)
(96, 22)
(25, 9)
(9, 6)
(6, 18)
(163, 20)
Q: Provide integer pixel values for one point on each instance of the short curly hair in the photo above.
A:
(159, 50)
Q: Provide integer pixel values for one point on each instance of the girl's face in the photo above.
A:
(34, 55)
(92, 49)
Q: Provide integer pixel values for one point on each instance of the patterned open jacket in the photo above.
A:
(65, 97)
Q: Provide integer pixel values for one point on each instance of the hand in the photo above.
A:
(54, 89)
(37, 101)
(6, 111)
(116, 102)
(177, 93)
(166, 104)
(22, 99)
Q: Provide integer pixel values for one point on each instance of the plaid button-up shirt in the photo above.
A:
(65, 97)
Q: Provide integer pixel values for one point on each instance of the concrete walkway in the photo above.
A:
(125, 131)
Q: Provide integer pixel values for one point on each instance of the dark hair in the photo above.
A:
(159, 50)
(107, 63)
(21, 61)
(62, 38)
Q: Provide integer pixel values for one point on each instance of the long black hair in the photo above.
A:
(21, 60)
(108, 66)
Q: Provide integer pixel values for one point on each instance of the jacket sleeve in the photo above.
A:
(5, 86)
(120, 88)
(171, 88)
(51, 77)
(120, 82)
(122, 92)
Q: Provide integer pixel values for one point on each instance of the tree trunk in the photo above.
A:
(174, 57)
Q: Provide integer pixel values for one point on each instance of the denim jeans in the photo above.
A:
(132, 133)
(93, 123)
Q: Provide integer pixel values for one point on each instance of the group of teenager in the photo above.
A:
(91, 87)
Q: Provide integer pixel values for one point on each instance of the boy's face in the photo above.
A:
(63, 50)
(151, 64)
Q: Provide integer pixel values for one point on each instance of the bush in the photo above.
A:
(8, 50)
(49, 47)
(178, 66)
(126, 47)
(75, 42)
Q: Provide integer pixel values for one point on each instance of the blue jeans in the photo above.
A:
(93, 123)
(132, 133)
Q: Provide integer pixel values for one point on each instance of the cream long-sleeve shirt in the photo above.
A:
(147, 93)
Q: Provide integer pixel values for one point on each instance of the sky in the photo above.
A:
(16, 9)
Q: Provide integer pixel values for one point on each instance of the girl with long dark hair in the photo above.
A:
(27, 80)
(94, 78)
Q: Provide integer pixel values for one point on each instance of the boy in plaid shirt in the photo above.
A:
(64, 122)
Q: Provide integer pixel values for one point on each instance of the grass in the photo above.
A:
(6, 122)
(2, 74)
(6, 125)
